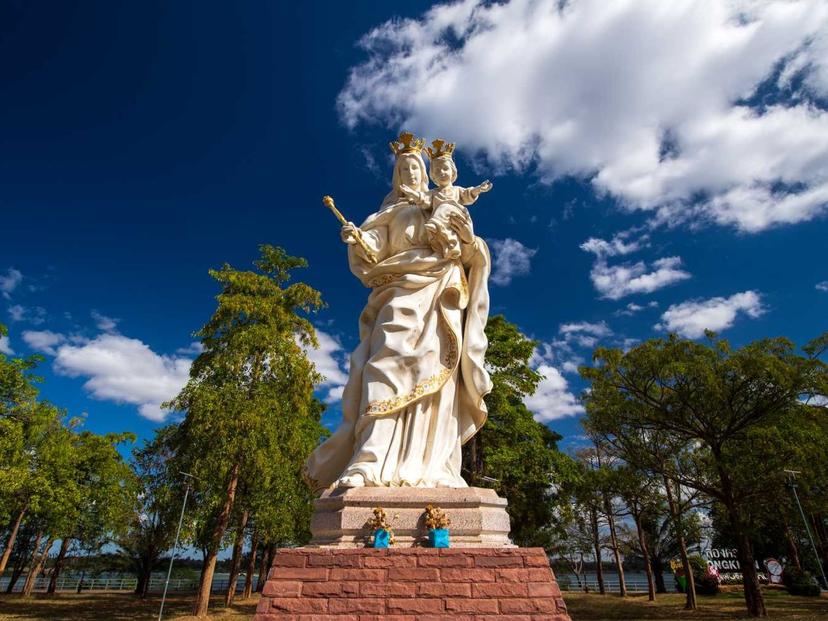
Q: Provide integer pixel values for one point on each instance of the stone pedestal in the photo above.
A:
(478, 516)
(411, 584)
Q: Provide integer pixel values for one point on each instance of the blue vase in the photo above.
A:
(381, 538)
(438, 538)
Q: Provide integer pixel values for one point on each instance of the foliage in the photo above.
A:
(251, 417)
(513, 449)
(709, 405)
(800, 582)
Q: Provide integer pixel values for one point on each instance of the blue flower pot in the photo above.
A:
(381, 538)
(438, 538)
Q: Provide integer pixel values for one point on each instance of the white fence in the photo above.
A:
(119, 584)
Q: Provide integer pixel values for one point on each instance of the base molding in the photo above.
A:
(411, 584)
(478, 516)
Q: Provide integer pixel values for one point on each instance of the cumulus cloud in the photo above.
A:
(584, 333)
(552, 400)
(511, 258)
(591, 89)
(5, 346)
(43, 341)
(690, 319)
(618, 245)
(327, 358)
(9, 282)
(822, 286)
(614, 282)
(124, 370)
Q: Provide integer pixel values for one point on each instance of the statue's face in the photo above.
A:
(442, 171)
(410, 172)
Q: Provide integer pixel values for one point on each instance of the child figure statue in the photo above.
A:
(446, 201)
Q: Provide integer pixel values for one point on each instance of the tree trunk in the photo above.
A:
(619, 568)
(753, 591)
(64, 548)
(690, 603)
(142, 585)
(205, 584)
(236, 559)
(645, 555)
(793, 549)
(251, 566)
(596, 542)
(657, 566)
(12, 538)
(264, 565)
(36, 567)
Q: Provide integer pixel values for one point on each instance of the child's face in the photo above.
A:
(442, 172)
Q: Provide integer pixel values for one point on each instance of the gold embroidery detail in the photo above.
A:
(379, 281)
(427, 386)
(376, 408)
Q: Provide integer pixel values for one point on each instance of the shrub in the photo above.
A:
(800, 582)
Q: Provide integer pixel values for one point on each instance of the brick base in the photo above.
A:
(411, 584)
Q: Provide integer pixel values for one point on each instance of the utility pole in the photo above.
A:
(792, 482)
(187, 478)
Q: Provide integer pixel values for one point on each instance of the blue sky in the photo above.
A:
(655, 168)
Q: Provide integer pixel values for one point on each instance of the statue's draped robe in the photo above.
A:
(417, 379)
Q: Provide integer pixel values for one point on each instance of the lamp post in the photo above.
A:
(187, 478)
(792, 482)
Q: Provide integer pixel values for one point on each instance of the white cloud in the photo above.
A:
(632, 308)
(9, 282)
(616, 246)
(822, 286)
(16, 312)
(104, 323)
(326, 358)
(617, 281)
(656, 103)
(690, 319)
(511, 258)
(5, 346)
(584, 333)
(43, 341)
(125, 370)
(552, 400)
(35, 315)
(194, 349)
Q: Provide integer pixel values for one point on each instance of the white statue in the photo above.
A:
(417, 379)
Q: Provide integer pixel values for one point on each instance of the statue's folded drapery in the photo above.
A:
(417, 379)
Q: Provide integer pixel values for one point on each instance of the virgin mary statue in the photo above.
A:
(417, 378)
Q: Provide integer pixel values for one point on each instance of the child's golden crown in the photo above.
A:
(406, 143)
(440, 148)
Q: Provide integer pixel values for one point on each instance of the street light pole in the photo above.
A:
(187, 478)
(792, 477)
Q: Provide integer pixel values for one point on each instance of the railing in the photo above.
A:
(611, 585)
(119, 584)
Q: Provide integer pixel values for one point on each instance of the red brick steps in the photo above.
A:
(411, 584)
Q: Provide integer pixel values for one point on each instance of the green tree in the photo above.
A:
(150, 529)
(251, 417)
(707, 398)
(519, 453)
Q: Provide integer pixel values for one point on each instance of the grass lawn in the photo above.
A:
(582, 607)
(96, 606)
(670, 607)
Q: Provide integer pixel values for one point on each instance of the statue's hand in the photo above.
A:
(485, 186)
(411, 194)
(349, 233)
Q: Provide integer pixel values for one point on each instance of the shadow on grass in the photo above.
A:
(670, 607)
(114, 607)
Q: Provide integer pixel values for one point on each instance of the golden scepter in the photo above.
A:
(328, 201)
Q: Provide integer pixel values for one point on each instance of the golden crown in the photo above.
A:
(440, 148)
(406, 143)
